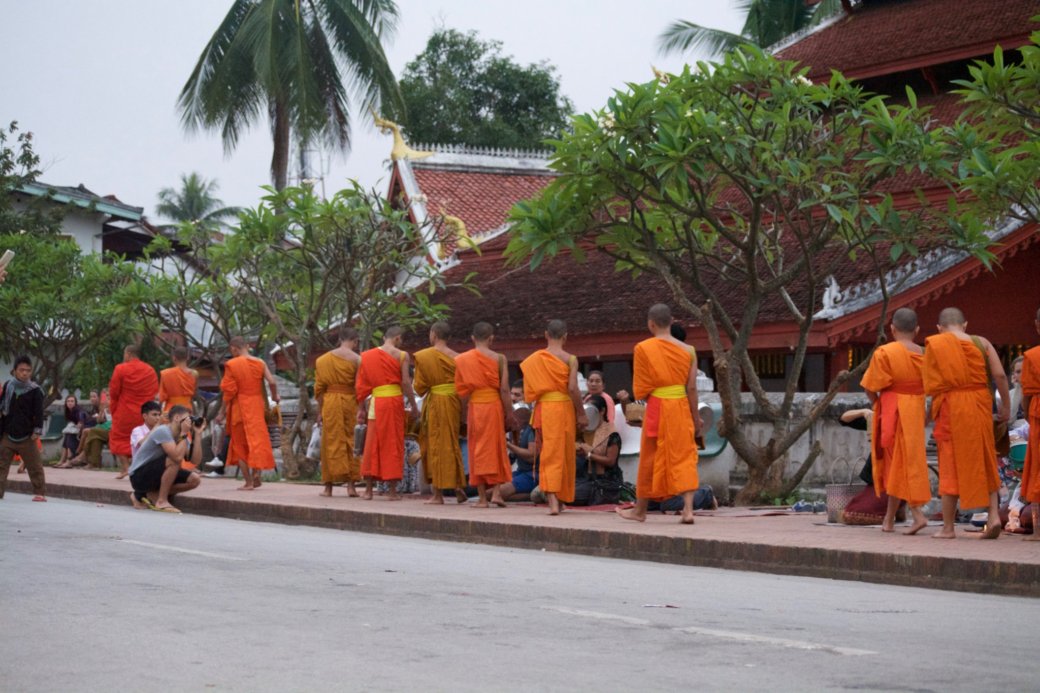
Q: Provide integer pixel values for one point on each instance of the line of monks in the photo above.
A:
(958, 371)
(372, 388)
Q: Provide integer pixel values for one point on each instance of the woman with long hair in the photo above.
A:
(70, 434)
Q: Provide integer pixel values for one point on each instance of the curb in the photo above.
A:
(931, 572)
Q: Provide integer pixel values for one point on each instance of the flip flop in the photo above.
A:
(168, 509)
(39, 499)
(148, 503)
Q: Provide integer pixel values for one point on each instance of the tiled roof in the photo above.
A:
(885, 36)
(480, 199)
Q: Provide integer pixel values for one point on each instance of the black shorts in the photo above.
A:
(148, 477)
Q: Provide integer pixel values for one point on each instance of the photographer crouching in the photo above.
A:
(165, 463)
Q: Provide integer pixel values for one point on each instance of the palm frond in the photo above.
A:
(682, 36)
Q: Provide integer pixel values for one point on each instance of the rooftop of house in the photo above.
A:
(81, 196)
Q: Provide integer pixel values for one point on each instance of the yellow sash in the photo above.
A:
(484, 395)
(555, 396)
(382, 391)
(443, 389)
(669, 392)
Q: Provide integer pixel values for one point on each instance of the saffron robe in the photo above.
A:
(334, 383)
(479, 378)
(384, 440)
(133, 383)
(545, 383)
(667, 450)
(897, 444)
(962, 408)
(439, 420)
(1031, 388)
(244, 397)
(176, 386)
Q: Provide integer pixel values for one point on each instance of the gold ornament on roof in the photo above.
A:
(662, 77)
(457, 229)
(401, 149)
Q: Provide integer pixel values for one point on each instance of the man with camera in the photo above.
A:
(156, 472)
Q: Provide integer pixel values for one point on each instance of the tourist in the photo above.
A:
(133, 383)
(516, 391)
(958, 369)
(382, 378)
(177, 384)
(595, 387)
(441, 416)
(664, 373)
(523, 454)
(598, 475)
(895, 387)
(481, 376)
(551, 381)
(334, 375)
(70, 435)
(245, 404)
(21, 425)
(157, 472)
(1030, 486)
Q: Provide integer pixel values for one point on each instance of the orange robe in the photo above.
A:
(962, 408)
(176, 386)
(384, 440)
(133, 383)
(244, 397)
(897, 444)
(545, 383)
(478, 377)
(439, 420)
(334, 383)
(667, 450)
(1031, 388)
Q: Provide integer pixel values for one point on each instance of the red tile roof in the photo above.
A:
(481, 199)
(886, 36)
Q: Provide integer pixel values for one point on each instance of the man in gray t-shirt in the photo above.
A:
(156, 472)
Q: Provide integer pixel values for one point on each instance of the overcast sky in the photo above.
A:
(97, 81)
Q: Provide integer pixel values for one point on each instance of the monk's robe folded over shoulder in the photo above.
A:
(334, 383)
(380, 376)
(667, 449)
(176, 386)
(1031, 388)
(133, 383)
(962, 408)
(439, 420)
(478, 377)
(243, 388)
(897, 444)
(545, 384)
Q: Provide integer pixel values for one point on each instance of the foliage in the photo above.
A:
(292, 61)
(768, 22)
(461, 90)
(998, 136)
(743, 179)
(195, 202)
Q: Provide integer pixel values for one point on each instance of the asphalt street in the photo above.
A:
(101, 598)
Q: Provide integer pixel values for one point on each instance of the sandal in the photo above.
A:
(39, 499)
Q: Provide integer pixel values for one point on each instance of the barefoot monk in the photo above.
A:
(551, 382)
(334, 375)
(895, 387)
(1031, 405)
(177, 384)
(243, 388)
(957, 370)
(441, 415)
(133, 383)
(664, 373)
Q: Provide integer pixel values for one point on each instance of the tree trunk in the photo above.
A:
(280, 158)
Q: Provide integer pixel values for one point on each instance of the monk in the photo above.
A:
(133, 383)
(551, 381)
(245, 405)
(664, 373)
(482, 380)
(895, 386)
(957, 378)
(441, 415)
(1030, 490)
(381, 380)
(334, 375)
(177, 384)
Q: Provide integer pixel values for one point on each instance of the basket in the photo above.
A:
(634, 413)
(838, 496)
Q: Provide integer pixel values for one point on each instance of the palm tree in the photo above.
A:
(291, 60)
(768, 22)
(195, 202)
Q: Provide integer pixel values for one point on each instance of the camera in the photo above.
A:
(197, 421)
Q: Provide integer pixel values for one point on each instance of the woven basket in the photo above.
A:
(634, 413)
(838, 496)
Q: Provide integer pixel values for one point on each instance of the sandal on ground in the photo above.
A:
(39, 499)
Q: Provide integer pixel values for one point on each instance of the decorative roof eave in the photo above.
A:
(486, 160)
(808, 31)
(83, 199)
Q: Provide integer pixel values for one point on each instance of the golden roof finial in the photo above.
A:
(401, 149)
(661, 76)
(458, 230)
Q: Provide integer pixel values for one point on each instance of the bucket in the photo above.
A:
(838, 496)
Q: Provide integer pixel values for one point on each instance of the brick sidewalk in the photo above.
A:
(732, 538)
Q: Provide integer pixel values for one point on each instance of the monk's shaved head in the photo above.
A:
(660, 315)
(904, 320)
(556, 329)
(951, 317)
(482, 331)
(348, 334)
(180, 354)
(393, 332)
(237, 342)
(132, 350)
(441, 330)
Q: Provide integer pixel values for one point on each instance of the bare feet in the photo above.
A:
(367, 495)
(21, 468)
(351, 491)
(121, 475)
(631, 514)
(460, 496)
(438, 498)
(327, 491)
(484, 504)
(138, 505)
(944, 534)
(1035, 536)
(992, 531)
(257, 483)
(246, 487)
(687, 519)
(888, 525)
(920, 522)
(554, 504)
(497, 500)
(394, 496)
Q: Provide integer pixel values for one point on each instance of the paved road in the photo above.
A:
(107, 598)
